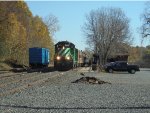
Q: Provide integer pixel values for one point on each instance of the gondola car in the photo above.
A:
(39, 57)
(66, 55)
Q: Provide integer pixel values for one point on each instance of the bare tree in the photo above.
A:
(104, 29)
(145, 28)
(52, 22)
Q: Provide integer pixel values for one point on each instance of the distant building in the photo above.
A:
(118, 57)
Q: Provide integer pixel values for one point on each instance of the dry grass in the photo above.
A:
(4, 66)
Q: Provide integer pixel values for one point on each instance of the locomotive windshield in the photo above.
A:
(63, 45)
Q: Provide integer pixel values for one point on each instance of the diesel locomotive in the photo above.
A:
(66, 55)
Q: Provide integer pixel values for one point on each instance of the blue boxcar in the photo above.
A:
(38, 57)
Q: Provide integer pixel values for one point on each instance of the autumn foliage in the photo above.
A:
(20, 30)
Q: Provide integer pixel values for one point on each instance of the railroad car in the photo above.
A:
(86, 60)
(83, 59)
(66, 55)
(80, 58)
(39, 57)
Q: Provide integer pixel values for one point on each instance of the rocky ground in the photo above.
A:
(122, 93)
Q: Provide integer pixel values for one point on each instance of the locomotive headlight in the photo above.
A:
(58, 57)
(68, 58)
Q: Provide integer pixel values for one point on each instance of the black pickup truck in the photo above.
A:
(121, 66)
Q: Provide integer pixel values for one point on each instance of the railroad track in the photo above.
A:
(27, 85)
(21, 79)
(8, 75)
(24, 84)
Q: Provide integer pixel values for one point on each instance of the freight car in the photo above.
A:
(66, 55)
(86, 59)
(80, 58)
(38, 57)
(83, 59)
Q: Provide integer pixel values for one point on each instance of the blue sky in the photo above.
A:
(71, 16)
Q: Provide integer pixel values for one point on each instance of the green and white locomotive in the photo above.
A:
(66, 55)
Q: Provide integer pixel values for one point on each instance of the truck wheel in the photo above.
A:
(132, 71)
(110, 70)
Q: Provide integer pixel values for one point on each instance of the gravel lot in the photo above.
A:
(127, 93)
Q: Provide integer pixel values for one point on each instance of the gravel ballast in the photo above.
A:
(127, 93)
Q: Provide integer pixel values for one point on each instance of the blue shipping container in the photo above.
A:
(39, 56)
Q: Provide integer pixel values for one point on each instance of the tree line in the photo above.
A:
(140, 55)
(20, 30)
